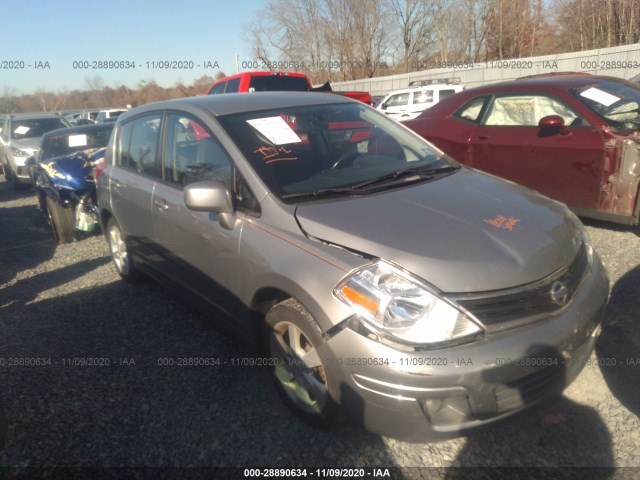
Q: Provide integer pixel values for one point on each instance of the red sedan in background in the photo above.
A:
(573, 137)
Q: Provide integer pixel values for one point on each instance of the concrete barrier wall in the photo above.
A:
(623, 61)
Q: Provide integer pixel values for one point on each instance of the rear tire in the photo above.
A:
(291, 339)
(62, 221)
(120, 252)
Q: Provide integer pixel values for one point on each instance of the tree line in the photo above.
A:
(333, 40)
(350, 39)
(97, 94)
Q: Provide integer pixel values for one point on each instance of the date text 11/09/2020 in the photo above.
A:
(368, 472)
(347, 361)
(402, 362)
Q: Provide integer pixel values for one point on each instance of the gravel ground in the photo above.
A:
(65, 302)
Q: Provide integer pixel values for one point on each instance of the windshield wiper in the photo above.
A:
(321, 192)
(404, 174)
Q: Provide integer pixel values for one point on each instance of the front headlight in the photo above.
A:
(19, 153)
(401, 307)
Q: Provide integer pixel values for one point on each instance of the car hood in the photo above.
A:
(30, 145)
(467, 232)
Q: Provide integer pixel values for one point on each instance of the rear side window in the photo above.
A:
(139, 144)
(446, 93)
(471, 110)
(281, 83)
(218, 88)
(423, 97)
(232, 85)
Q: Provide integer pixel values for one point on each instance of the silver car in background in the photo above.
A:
(379, 278)
(20, 137)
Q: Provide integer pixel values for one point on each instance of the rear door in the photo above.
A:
(133, 179)
(566, 165)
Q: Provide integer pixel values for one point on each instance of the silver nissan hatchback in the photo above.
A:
(380, 278)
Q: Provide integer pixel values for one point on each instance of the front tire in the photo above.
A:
(62, 221)
(120, 252)
(292, 340)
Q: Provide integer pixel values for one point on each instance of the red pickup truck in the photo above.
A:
(265, 81)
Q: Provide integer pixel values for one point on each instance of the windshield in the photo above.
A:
(67, 143)
(329, 148)
(617, 103)
(36, 127)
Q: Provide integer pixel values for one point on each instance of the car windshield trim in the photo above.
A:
(612, 101)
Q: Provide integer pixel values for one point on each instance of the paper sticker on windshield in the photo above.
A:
(21, 130)
(275, 129)
(599, 96)
(77, 140)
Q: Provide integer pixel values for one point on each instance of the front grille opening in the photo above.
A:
(506, 309)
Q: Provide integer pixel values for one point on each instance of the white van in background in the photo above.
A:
(408, 103)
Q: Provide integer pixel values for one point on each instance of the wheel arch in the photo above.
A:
(263, 300)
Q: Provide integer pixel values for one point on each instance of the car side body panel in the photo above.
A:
(590, 166)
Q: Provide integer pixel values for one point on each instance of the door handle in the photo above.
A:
(162, 205)
(483, 137)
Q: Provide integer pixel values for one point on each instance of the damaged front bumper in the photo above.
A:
(430, 395)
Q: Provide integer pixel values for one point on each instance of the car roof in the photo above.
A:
(231, 103)
(26, 116)
(433, 86)
(262, 73)
(78, 129)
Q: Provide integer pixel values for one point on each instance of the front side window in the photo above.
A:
(192, 154)
(399, 100)
(526, 110)
(139, 144)
(340, 149)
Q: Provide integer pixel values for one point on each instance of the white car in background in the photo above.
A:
(408, 103)
(109, 115)
(20, 136)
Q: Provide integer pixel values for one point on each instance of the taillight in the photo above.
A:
(99, 170)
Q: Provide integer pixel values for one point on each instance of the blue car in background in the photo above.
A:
(63, 177)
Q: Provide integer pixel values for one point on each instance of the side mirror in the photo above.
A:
(553, 124)
(211, 196)
(383, 106)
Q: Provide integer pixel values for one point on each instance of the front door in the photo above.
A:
(566, 165)
(199, 253)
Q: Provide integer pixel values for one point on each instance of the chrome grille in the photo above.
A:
(504, 309)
